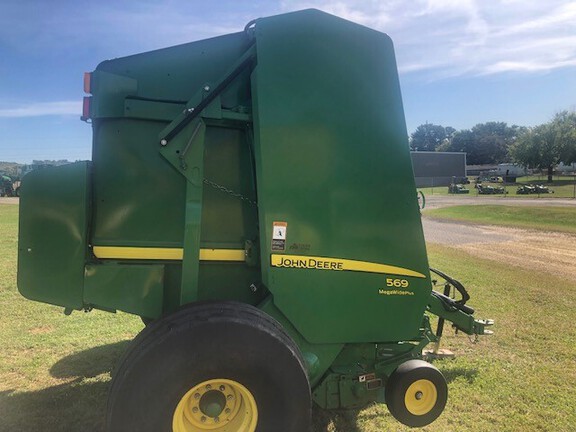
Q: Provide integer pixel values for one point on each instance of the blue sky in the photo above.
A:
(461, 62)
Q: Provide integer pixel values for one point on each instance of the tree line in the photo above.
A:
(542, 147)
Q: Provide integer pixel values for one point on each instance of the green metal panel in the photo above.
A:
(131, 288)
(148, 195)
(171, 74)
(138, 196)
(333, 163)
(52, 234)
(229, 281)
(227, 218)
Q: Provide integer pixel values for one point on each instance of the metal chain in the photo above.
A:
(473, 339)
(230, 192)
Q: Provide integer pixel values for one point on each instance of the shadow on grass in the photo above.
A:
(89, 363)
(80, 404)
(337, 420)
(74, 406)
(77, 405)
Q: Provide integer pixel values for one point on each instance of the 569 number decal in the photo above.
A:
(397, 283)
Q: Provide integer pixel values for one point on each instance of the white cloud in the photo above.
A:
(447, 38)
(38, 109)
(433, 38)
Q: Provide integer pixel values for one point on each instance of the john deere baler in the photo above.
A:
(251, 197)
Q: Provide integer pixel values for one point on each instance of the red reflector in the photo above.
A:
(87, 82)
(86, 108)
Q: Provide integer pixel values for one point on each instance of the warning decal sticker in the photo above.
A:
(279, 236)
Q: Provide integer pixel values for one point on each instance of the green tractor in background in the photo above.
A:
(530, 189)
(7, 187)
(457, 189)
(490, 190)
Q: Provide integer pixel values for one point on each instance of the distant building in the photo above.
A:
(561, 168)
(476, 170)
(437, 168)
(508, 171)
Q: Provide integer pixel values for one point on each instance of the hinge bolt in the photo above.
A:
(163, 143)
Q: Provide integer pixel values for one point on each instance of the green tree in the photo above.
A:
(428, 137)
(485, 143)
(564, 125)
(537, 149)
(546, 145)
(492, 141)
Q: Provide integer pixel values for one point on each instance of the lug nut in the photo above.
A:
(222, 388)
(197, 396)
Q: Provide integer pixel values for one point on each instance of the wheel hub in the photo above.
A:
(212, 403)
(216, 405)
(421, 397)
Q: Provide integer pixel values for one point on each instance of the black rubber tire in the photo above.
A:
(398, 384)
(210, 341)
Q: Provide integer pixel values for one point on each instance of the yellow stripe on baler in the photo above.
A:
(152, 253)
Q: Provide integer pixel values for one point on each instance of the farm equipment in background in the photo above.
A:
(6, 187)
(239, 210)
(457, 189)
(488, 177)
(490, 190)
(16, 187)
(530, 189)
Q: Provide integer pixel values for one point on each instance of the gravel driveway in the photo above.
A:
(548, 252)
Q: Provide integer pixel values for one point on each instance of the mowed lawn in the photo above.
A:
(561, 219)
(55, 369)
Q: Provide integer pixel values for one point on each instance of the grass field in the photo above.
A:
(563, 187)
(561, 219)
(55, 370)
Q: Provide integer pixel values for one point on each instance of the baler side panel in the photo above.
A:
(140, 196)
(54, 214)
(333, 163)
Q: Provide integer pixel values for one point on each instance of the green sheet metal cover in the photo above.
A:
(52, 234)
(335, 179)
(133, 184)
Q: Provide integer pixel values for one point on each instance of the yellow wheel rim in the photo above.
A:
(218, 405)
(421, 397)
